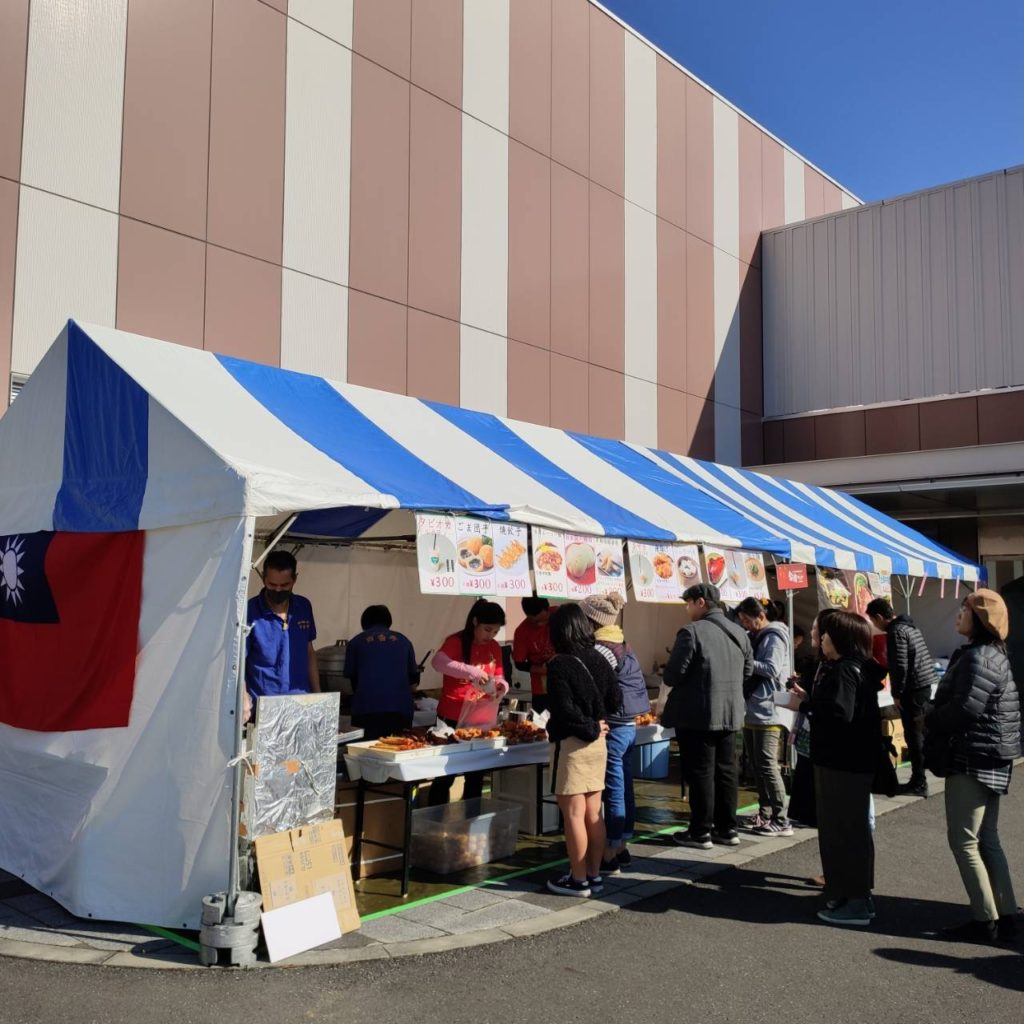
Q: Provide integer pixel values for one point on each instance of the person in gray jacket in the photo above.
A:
(706, 672)
(762, 727)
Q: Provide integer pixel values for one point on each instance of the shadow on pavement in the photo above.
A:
(998, 969)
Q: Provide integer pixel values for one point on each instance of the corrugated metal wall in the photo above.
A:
(910, 298)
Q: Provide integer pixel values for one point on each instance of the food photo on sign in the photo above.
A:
(851, 590)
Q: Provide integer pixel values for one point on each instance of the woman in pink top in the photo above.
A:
(469, 662)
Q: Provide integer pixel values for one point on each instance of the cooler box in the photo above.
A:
(519, 786)
(463, 835)
(651, 760)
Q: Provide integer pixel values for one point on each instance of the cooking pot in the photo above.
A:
(332, 663)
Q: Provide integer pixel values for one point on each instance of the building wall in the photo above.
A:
(911, 310)
(516, 205)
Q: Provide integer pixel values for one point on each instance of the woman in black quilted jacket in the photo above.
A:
(974, 727)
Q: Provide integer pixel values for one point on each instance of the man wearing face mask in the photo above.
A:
(279, 655)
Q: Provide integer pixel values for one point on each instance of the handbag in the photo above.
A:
(938, 750)
(885, 782)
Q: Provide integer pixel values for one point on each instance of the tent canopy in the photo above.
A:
(118, 432)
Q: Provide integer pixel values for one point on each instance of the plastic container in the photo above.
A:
(462, 835)
(651, 760)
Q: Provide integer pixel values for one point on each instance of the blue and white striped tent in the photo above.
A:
(159, 435)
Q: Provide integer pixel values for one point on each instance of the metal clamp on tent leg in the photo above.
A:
(230, 940)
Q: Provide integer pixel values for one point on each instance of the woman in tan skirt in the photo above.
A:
(582, 691)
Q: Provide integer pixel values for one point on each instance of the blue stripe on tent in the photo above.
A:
(106, 443)
(615, 520)
(337, 522)
(772, 518)
(311, 408)
(687, 497)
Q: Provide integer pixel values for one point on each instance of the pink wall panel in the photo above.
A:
(433, 358)
(165, 138)
(435, 206)
(379, 225)
(833, 197)
(671, 306)
(529, 246)
(700, 318)
(570, 84)
(607, 413)
(751, 352)
(814, 192)
(243, 307)
(8, 248)
(570, 393)
(607, 279)
(673, 426)
(13, 50)
(382, 33)
(700, 162)
(671, 143)
(751, 178)
(700, 424)
(161, 283)
(246, 185)
(377, 343)
(529, 383)
(570, 261)
(281, 5)
(607, 102)
(529, 73)
(437, 48)
(773, 184)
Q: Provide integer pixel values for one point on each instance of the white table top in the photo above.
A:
(421, 768)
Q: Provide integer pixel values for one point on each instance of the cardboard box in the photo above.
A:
(305, 862)
(893, 728)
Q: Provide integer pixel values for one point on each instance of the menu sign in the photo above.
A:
(737, 574)
(661, 572)
(575, 565)
(851, 591)
(456, 555)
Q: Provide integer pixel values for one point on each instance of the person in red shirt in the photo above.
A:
(469, 662)
(531, 647)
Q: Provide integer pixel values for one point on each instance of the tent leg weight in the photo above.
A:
(229, 940)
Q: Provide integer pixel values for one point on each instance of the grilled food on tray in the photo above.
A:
(400, 743)
(522, 732)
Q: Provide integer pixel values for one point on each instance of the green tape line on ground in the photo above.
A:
(165, 933)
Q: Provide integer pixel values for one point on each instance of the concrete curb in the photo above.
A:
(644, 887)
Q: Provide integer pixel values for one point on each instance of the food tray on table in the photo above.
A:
(369, 748)
(653, 734)
(488, 743)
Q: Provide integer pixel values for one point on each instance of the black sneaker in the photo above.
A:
(1006, 928)
(728, 838)
(596, 883)
(688, 838)
(913, 789)
(566, 885)
(625, 858)
(610, 867)
(970, 931)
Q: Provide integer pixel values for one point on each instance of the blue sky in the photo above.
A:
(886, 97)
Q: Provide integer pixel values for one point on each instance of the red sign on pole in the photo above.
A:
(791, 577)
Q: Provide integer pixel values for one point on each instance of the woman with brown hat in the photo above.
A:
(973, 739)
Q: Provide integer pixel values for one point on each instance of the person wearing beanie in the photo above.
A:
(619, 797)
(973, 738)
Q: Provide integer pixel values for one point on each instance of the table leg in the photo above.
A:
(539, 798)
(408, 790)
(357, 839)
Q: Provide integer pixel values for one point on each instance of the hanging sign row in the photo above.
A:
(457, 555)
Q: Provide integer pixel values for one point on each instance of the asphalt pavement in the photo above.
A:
(739, 945)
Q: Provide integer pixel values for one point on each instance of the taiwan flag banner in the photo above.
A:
(69, 629)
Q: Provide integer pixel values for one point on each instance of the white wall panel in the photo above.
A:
(483, 371)
(485, 61)
(641, 412)
(74, 98)
(793, 187)
(849, 202)
(67, 268)
(727, 178)
(641, 127)
(314, 326)
(641, 293)
(727, 359)
(897, 301)
(331, 17)
(318, 151)
(484, 226)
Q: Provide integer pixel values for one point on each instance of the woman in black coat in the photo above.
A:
(973, 738)
(582, 692)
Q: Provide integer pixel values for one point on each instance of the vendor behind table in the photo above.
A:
(531, 647)
(381, 665)
(470, 664)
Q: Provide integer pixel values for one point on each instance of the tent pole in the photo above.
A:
(234, 883)
(275, 540)
(789, 618)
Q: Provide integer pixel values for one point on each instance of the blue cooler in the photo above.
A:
(651, 760)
